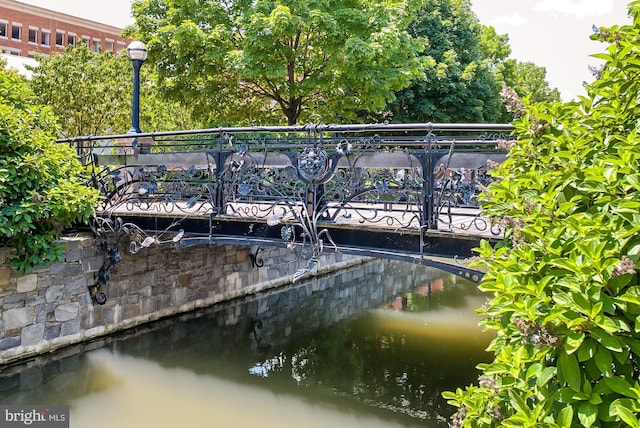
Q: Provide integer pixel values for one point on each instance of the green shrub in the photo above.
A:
(565, 299)
(41, 184)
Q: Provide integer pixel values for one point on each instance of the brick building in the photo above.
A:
(27, 29)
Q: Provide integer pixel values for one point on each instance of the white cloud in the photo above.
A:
(514, 20)
(577, 8)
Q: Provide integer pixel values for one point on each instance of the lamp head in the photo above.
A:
(137, 51)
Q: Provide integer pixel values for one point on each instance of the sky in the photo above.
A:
(550, 33)
(554, 34)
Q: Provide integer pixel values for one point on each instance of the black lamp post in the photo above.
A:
(137, 53)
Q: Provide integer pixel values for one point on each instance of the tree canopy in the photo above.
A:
(457, 85)
(564, 283)
(259, 61)
(467, 66)
(528, 80)
(42, 190)
(91, 94)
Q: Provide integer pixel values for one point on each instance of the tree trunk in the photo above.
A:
(293, 110)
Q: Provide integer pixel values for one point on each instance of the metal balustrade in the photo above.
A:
(404, 191)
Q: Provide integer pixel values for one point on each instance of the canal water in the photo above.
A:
(373, 346)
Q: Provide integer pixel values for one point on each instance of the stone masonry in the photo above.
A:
(50, 308)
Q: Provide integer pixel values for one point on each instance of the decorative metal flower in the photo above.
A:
(286, 233)
(344, 147)
(244, 189)
(382, 186)
(313, 162)
(242, 149)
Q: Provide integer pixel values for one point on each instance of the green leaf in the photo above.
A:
(587, 350)
(630, 298)
(569, 370)
(587, 414)
(562, 299)
(610, 325)
(603, 56)
(518, 402)
(568, 265)
(607, 340)
(604, 361)
(633, 180)
(622, 409)
(573, 341)
(545, 376)
(565, 417)
(620, 386)
(533, 370)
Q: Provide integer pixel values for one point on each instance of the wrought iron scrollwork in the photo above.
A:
(158, 188)
(255, 254)
(458, 191)
(110, 233)
(389, 196)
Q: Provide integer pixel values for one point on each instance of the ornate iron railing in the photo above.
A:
(305, 180)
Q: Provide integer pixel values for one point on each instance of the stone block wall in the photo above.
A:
(51, 308)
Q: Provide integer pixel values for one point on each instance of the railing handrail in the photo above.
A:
(315, 128)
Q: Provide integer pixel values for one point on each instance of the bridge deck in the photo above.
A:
(461, 221)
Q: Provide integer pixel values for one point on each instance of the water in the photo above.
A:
(373, 347)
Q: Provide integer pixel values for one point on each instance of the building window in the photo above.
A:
(96, 45)
(16, 31)
(3, 29)
(85, 40)
(121, 46)
(108, 45)
(59, 38)
(45, 38)
(33, 35)
(71, 39)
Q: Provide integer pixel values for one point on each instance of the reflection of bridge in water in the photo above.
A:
(406, 192)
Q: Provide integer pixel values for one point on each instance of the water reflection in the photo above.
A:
(391, 359)
(375, 346)
(153, 396)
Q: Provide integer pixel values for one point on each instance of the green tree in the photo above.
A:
(458, 85)
(495, 47)
(527, 80)
(91, 94)
(564, 283)
(469, 65)
(259, 61)
(41, 185)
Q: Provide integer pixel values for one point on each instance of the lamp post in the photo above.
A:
(137, 53)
